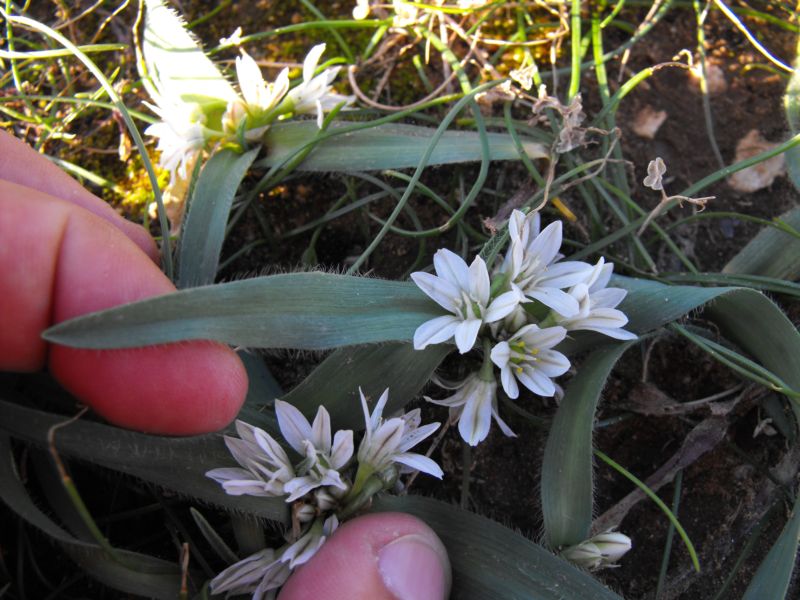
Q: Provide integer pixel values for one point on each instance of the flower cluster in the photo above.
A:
(186, 127)
(516, 315)
(321, 481)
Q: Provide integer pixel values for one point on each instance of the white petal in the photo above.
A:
(294, 426)
(552, 363)
(546, 245)
(452, 268)
(509, 382)
(420, 463)
(559, 301)
(311, 61)
(501, 354)
(617, 334)
(604, 277)
(342, 449)
(502, 306)
(608, 297)
(435, 331)
(564, 274)
(251, 82)
(321, 430)
(502, 424)
(415, 436)
(445, 293)
(466, 333)
(605, 318)
(377, 412)
(479, 285)
(536, 382)
(300, 486)
(476, 419)
(541, 338)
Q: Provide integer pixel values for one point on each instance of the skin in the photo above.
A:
(64, 253)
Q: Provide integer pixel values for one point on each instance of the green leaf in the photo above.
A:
(758, 282)
(204, 229)
(491, 561)
(335, 382)
(755, 324)
(178, 464)
(566, 486)
(135, 573)
(775, 572)
(389, 146)
(176, 64)
(772, 252)
(791, 103)
(298, 310)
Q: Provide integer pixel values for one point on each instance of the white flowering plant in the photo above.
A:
(497, 299)
(515, 318)
(325, 481)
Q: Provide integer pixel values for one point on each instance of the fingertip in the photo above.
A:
(180, 389)
(175, 389)
(381, 556)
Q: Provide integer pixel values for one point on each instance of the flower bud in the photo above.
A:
(599, 551)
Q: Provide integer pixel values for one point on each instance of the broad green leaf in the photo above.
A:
(298, 310)
(491, 561)
(204, 228)
(791, 103)
(335, 382)
(176, 64)
(775, 572)
(566, 484)
(262, 390)
(758, 282)
(755, 324)
(178, 464)
(650, 304)
(390, 146)
(772, 252)
(137, 573)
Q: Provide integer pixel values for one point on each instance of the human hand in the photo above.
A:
(64, 253)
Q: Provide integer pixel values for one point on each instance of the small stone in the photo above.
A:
(758, 176)
(648, 121)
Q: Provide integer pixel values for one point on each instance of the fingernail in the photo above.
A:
(413, 569)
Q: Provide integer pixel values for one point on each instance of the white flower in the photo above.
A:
(406, 15)
(256, 574)
(527, 357)
(266, 467)
(532, 263)
(474, 404)
(180, 134)
(599, 551)
(314, 94)
(302, 550)
(387, 441)
(597, 305)
(465, 292)
(323, 457)
(268, 570)
(361, 10)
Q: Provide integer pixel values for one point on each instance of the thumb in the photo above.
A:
(381, 556)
